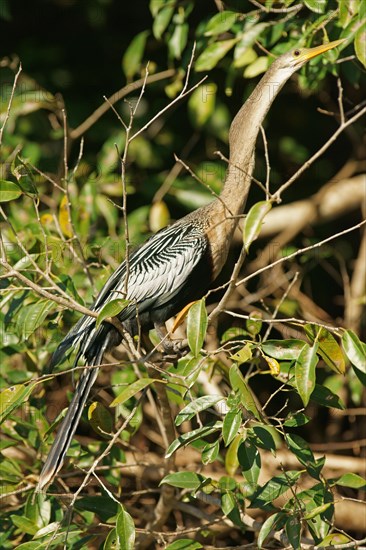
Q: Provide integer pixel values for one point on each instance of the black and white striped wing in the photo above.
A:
(158, 269)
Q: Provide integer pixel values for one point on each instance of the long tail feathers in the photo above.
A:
(68, 426)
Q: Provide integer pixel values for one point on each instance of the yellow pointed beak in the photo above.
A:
(309, 53)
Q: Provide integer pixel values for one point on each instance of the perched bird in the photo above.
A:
(179, 263)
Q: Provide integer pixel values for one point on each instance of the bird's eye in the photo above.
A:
(297, 53)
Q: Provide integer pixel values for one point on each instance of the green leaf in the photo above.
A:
(334, 539)
(317, 6)
(239, 385)
(210, 452)
(360, 45)
(111, 309)
(274, 488)
(100, 419)
(12, 398)
(263, 437)
(32, 316)
(284, 350)
(305, 372)
(125, 530)
(197, 326)
(184, 480)
(352, 480)
(259, 66)
(231, 425)
(220, 23)
(325, 397)
(178, 40)
(250, 462)
(318, 510)
(213, 54)
(184, 544)
(295, 420)
(356, 353)
(9, 191)
(273, 523)
(243, 355)
(253, 222)
(231, 458)
(132, 389)
(131, 61)
(201, 104)
(299, 447)
(247, 40)
(24, 524)
(196, 406)
(162, 20)
(293, 532)
(347, 11)
(191, 436)
(329, 349)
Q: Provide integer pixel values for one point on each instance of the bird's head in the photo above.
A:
(293, 60)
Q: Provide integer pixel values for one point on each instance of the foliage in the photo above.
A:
(240, 397)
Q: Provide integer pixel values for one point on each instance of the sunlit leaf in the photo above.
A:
(360, 44)
(196, 326)
(9, 191)
(184, 544)
(132, 58)
(259, 66)
(210, 452)
(191, 436)
(196, 406)
(273, 364)
(231, 457)
(125, 530)
(253, 222)
(133, 389)
(213, 54)
(347, 10)
(184, 480)
(274, 488)
(100, 419)
(159, 216)
(273, 523)
(239, 384)
(64, 219)
(162, 19)
(111, 309)
(284, 350)
(356, 353)
(12, 398)
(31, 317)
(178, 40)
(201, 104)
(328, 349)
(221, 22)
(231, 425)
(317, 6)
(305, 372)
(354, 481)
(243, 355)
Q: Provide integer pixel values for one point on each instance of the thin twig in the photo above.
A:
(117, 96)
(7, 114)
(311, 160)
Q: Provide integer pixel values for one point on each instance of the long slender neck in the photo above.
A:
(242, 138)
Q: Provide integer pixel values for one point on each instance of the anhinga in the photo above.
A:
(178, 264)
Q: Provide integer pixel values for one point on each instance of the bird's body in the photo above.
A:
(178, 264)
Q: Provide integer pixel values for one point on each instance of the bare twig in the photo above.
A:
(7, 114)
(117, 96)
(311, 160)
